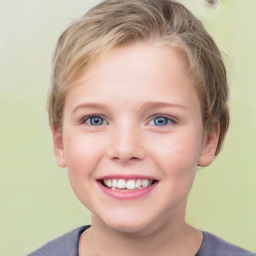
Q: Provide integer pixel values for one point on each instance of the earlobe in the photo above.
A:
(58, 147)
(210, 143)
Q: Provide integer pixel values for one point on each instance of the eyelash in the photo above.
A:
(88, 118)
(170, 120)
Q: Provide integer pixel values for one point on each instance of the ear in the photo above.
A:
(210, 143)
(58, 147)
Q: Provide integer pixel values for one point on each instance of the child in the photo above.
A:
(138, 101)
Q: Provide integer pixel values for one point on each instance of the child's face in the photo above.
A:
(134, 115)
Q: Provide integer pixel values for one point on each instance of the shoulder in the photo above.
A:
(212, 246)
(65, 245)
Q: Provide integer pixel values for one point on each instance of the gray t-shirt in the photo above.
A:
(67, 245)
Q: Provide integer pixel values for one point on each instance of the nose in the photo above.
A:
(125, 145)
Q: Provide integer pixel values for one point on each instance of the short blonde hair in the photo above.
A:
(115, 23)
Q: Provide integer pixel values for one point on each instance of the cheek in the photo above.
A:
(177, 155)
(82, 153)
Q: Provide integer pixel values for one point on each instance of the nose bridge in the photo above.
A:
(126, 143)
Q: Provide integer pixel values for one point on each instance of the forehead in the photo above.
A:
(139, 72)
(138, 59)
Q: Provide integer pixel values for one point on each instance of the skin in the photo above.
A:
(129, 89)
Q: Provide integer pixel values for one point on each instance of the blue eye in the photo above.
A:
(95, 120)
(160, 121)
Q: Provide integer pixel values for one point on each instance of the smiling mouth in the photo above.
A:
(127, 185)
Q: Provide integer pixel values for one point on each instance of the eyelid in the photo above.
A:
(171, 118)
(85, 118)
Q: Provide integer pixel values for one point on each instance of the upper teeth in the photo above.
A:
(128, 184)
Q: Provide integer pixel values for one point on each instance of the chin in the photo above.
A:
(126, 228)
(125, 224)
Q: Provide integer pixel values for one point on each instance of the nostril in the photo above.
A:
(122, 153)
(125, 145)
(124, 158)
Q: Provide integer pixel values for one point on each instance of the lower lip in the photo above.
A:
(125, 195)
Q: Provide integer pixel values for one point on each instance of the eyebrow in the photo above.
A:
(155, 104)
(89, 105)
(142, 105)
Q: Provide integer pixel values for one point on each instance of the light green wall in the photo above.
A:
(37, 203)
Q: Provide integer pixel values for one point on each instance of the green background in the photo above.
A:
(37, 203)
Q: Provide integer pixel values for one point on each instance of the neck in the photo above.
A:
(170, 238)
